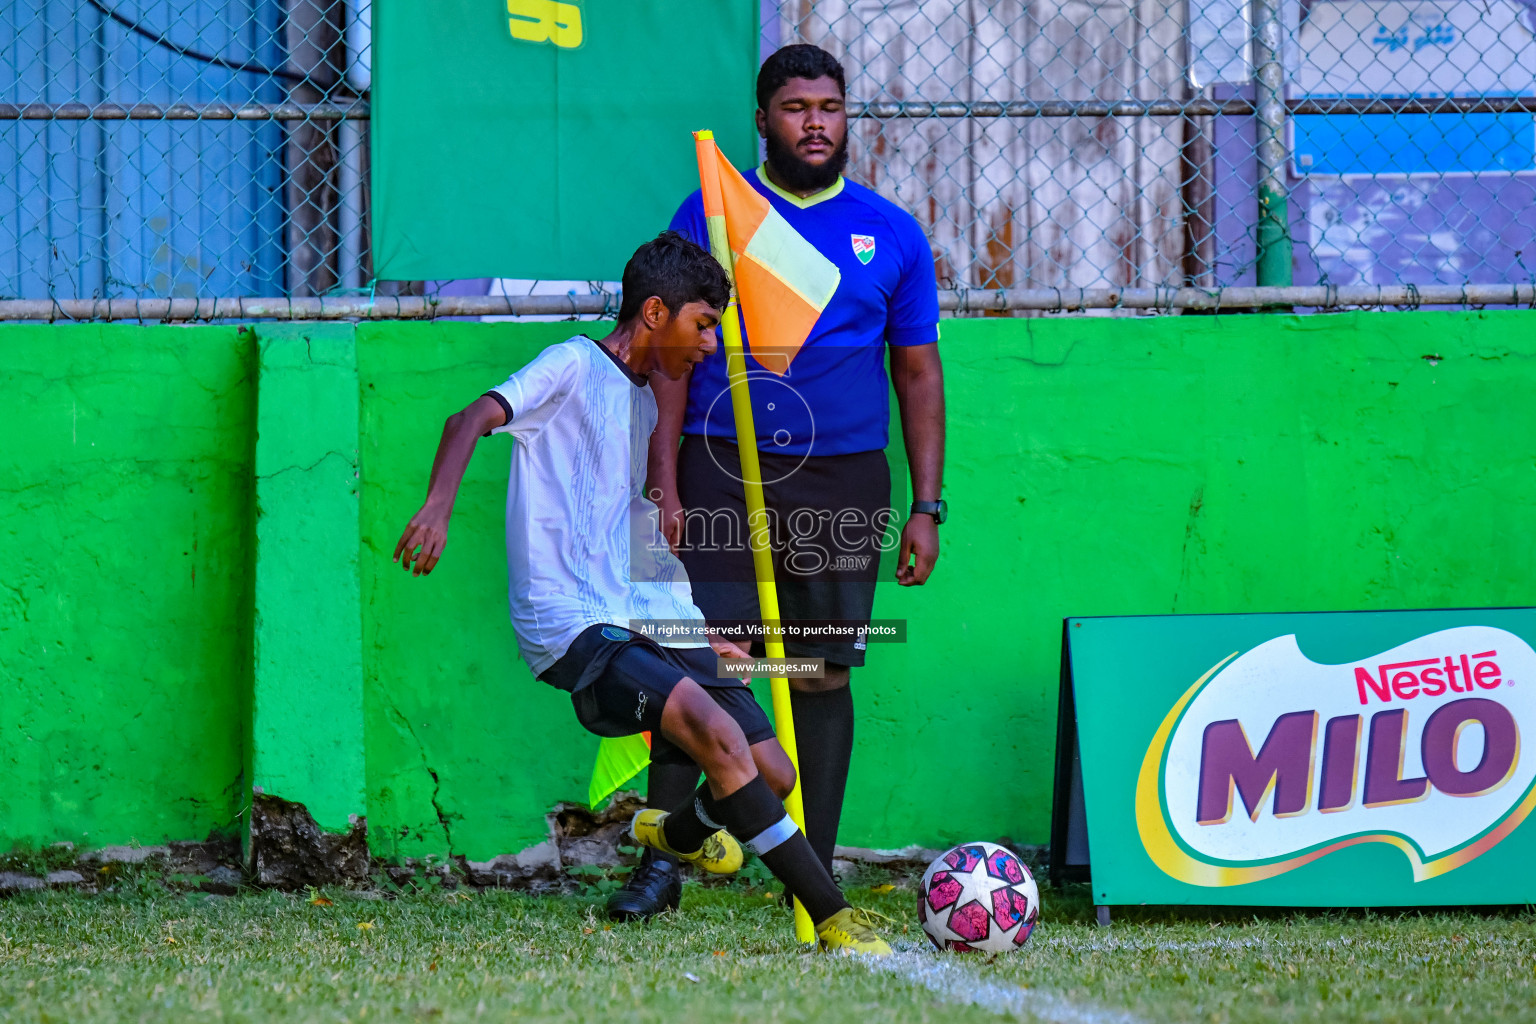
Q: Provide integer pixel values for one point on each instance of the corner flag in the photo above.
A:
(618, 760)
(783, 281)
(780, 284)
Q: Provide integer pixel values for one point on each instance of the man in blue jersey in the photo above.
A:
(822, 433)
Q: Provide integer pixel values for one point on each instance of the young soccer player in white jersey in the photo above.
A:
(588, 569)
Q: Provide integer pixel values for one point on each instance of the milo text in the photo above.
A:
(1285, 761)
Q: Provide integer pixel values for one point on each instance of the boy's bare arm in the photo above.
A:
(425, 536)
(661, 483)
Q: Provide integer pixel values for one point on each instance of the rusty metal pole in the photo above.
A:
(312, 31)
(1274, 229)
(1199, 201)
(966, 302)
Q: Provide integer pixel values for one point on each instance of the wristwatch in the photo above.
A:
(938, 509)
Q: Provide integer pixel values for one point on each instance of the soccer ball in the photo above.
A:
(978, 897)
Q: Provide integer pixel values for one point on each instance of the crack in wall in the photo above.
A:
(437, 783)
(1191, 526)
(305, 469)
(21, 595)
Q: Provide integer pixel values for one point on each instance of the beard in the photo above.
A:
(800, 176)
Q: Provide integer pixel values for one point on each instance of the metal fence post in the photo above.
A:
(1274, 234)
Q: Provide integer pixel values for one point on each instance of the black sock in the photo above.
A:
(824, 736)
(669, 785)
(691, 822)
(757, 818)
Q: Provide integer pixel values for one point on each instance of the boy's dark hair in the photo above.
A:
(674, 270)
(802, 60)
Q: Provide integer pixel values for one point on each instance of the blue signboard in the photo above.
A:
(1425, 49)
(1438, 144)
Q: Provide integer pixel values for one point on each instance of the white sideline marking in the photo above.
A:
(953, 983)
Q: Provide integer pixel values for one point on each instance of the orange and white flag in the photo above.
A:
(782, 281)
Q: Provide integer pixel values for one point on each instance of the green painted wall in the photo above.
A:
(462, 743)
(1181, 464)
(125, 640)
(1097, 467)
(307, 707)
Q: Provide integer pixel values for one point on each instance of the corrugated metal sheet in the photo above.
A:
(111, 209)
(1037, 202)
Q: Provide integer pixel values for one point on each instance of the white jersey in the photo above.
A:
(583, 542)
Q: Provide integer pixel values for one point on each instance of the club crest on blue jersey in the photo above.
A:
(864, 247)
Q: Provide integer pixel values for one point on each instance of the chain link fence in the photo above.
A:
(180, 148)
(1062, 154)
(1135, 144)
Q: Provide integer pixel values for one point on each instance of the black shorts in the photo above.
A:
(619, 681)
(829, 514)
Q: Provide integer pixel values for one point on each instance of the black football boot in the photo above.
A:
(655, 886)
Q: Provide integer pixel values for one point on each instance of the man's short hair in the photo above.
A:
(677, 272)
(801, 60)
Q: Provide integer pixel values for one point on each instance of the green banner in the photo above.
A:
(1347, 759)
(535, 139)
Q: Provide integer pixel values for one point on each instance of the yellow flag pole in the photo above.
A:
(757, 536)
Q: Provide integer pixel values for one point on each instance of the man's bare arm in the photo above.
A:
(425, 536)
(661, 467)
(918, 378)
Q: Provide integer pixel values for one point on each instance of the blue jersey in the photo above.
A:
(835, 399)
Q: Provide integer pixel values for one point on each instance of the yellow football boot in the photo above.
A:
(720, 854)
(851, 930)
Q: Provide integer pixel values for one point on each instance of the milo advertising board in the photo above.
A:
(1346, 759)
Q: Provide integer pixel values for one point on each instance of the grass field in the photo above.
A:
(729, 955)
